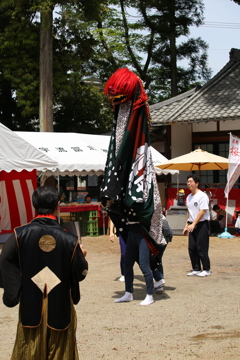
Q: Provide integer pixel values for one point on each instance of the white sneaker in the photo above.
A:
(204, 273)
(125, 298)
(148, 300)
(122, 278)
(160, 289)
(194, 273)
(159, 283)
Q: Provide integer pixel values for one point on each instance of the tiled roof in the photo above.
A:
(218, 99)
(163, 109)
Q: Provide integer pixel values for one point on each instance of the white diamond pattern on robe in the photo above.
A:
(47, 278)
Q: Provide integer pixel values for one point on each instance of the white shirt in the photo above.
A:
(197, 202)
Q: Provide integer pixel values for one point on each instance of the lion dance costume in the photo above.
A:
(129, 189)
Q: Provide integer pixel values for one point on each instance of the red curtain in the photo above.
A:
(16, 190)
(217, 197)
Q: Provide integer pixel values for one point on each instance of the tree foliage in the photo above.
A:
(91, 39)
(18, 65)
(158, 40)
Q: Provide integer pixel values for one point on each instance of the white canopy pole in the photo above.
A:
(58, 182)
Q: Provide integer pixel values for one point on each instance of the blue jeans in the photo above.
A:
(137, 250)
(158, 274)
(122, 249)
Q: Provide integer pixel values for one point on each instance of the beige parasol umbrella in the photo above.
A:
(196, 160)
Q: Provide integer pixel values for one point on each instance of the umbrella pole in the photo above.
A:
(177, 183)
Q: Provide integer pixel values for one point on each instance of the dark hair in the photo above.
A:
(194, 177)
(207, 186)
(88, 196)
(45, 199)
(216, 207)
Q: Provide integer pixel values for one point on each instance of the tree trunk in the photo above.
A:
(173, 56)
(45, 107)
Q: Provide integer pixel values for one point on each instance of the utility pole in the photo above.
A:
(171, 6)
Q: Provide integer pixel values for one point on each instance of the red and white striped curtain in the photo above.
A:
(16, 190)
(218, 197)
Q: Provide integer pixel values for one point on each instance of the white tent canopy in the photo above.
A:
(17, 154)
(79, 154)
(76, 154)
(158, 158)
(59, 153)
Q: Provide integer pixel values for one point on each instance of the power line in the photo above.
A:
(221, 25)
(220, 22)
(212, 24)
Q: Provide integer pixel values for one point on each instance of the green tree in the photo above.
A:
(153, 44)
(83, 107)
(19, 68)
(19, 61)
(46, 54)
(91, 39)
(78, 102)
(170, 21)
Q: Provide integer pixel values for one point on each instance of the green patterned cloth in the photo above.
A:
(129, 190)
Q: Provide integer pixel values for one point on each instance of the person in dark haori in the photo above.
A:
(41, 266)
(129, 191)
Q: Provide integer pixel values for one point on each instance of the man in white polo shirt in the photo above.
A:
(197, 228)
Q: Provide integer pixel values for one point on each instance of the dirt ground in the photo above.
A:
(194, 318)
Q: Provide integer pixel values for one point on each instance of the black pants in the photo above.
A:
(215, 227)
(198, 245)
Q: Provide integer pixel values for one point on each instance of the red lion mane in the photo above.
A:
(123, 84)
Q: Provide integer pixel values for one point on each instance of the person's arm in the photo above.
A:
(222, 218)
(185, 230)
(111, 235)
(196, 221)
(221, 215)
(83, 250)
(79, 263)
(210, 197)
(79, 270)
(10, 274)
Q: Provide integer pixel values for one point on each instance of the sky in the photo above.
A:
(223, 32)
